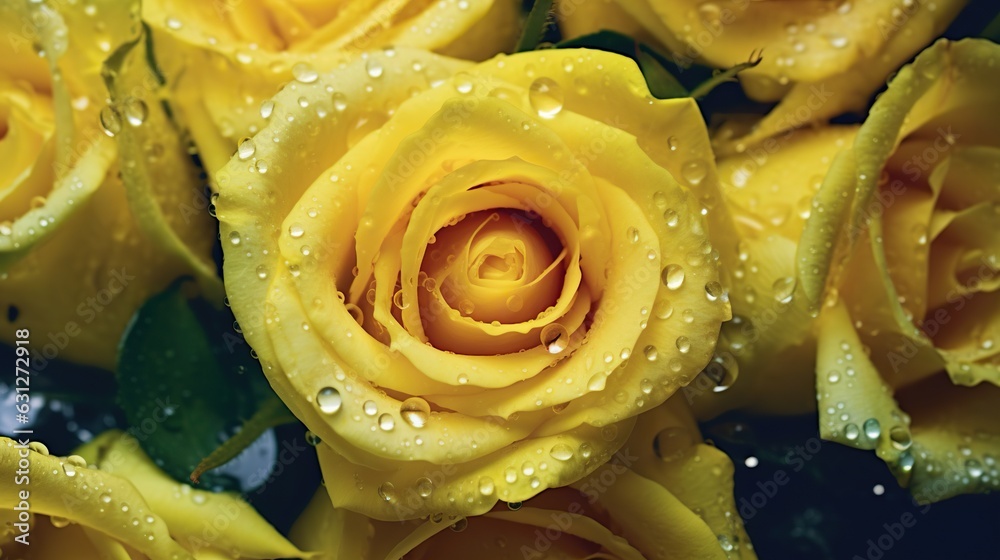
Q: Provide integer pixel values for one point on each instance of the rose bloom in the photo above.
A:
(893, 227)
(819, 59)
(85, 235)
(225, 58)
(664, 495)
(467, 280)
(111, 501)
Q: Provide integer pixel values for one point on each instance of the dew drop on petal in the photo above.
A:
(555, 338)
(545, 97)
(425, 487)
(673, 276)
(784, 288)
(415, 412)
(328, 399)
(387, 491)
(561, 452)
(246, 148)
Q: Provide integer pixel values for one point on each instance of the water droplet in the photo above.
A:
(312, 439)
(546, 97)
(683, 344)
(900, 438)
(386, 422)
(374, 68)
(784, 289)
(387, 492)
(561, 452)
(671, 217)
(632, 234)
(872, 428)
(514, 506)
(135, 111)
(651, 353)
(673, 443)
(851, 432)
(266, 108)
(713, 291)
(486, 486)
(296, 231)
(329, 401)
(694, 171)
(111, 121)
(460, 525)
(304, 73)
(555, 338)
(510, 475)
(515, 303)
(974, 469)
(673, 276)
(58, 522)
(425, 487)
(415, 412)
(69, 469)
(246, 148)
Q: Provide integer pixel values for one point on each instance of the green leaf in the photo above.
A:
(662, 84)
(540, 17)
(183, 385)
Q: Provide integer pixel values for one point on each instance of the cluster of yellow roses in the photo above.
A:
(479, 283)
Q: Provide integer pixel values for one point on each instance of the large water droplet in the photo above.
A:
(851, 432)
(328, 399)
(246, 148)
(673, 443)
(555, 338)
(304, 73)
(561, 452)
(135, 111)
(387, 492)
(374, 68)
(694, 171)
(673, 276)
(784, 288)
(386, 422)
(425, 487)
(546, 97)
(415, 412)
(111, 121)
(872, 428)
(900, 438)
(486, 486)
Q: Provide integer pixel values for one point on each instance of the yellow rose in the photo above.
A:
(120, 506)
(890, 228)
(85, 236)
(771, 342)
(820, 59)
(664, 495)
(472, 277)
(908, 357)
(228, 57)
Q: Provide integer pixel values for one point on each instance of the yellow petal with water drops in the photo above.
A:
(66, 488)
(332, 534)
(260, 48)
(955, 438)
(190, 514)
(162, 184)
(670, 460)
